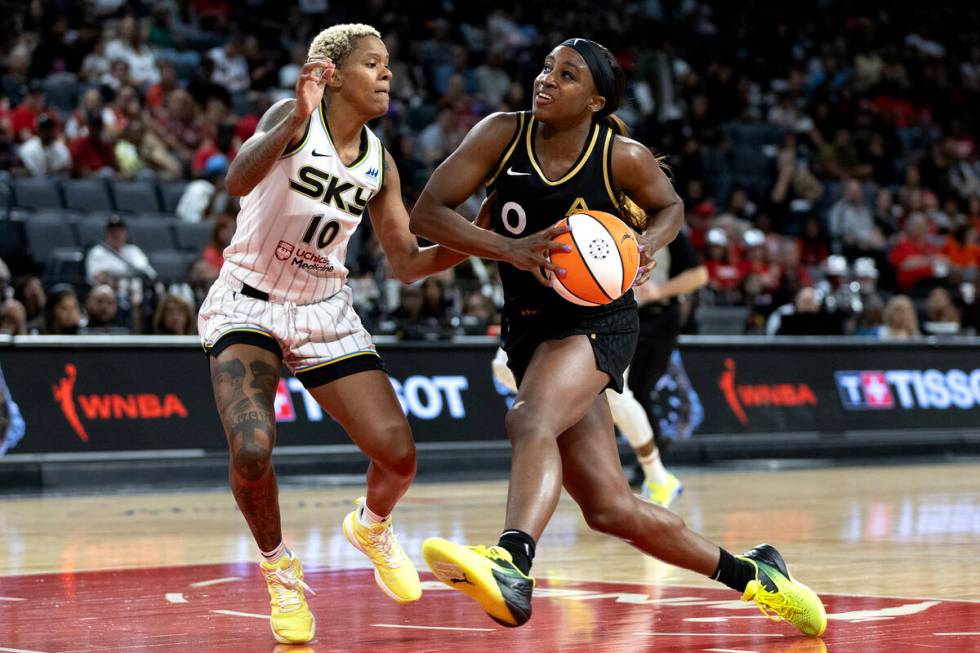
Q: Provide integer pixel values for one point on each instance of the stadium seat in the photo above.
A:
(136, 197)
(171, 265)
(38, 193)
(45, 233)
(722, 320)
(87, 195)
(61, 92)
(151, 234)
(65, 265)
(171, 193)
(91, 230)
(193, 236)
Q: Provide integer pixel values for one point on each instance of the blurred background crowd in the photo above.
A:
(827, 155)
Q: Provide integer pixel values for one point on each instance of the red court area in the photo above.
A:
(221, 608)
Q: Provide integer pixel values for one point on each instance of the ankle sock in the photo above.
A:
(520, 545)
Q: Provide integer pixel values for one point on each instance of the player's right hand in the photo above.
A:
(531, 252)
(311, 84)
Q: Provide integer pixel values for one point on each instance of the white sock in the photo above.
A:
(273, 556)
(367, 517)
(653, 469)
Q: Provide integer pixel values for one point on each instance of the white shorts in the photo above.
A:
(318, 342)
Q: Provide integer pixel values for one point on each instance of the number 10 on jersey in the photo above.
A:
(327, 233)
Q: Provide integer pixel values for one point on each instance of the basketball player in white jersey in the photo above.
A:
(306, 178)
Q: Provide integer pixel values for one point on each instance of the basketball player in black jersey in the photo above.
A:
(569, 153)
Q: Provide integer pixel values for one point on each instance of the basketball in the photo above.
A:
(602, 263)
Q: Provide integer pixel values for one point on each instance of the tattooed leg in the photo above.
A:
(244, 380)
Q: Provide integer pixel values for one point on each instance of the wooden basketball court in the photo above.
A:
(893, 551)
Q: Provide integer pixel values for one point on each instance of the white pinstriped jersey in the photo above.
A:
(295, 225)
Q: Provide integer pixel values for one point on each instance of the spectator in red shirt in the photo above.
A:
(724, 276)
(23, 119)
(92, 153)
(915, 258)
(157, 94)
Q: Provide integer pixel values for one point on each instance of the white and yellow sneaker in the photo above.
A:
(292, 622)
(662, 494)
(394, 571)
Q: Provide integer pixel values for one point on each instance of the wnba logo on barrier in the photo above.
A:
(111, 406)
(740, 397)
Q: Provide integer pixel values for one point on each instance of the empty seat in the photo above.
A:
(65, 265)
(91, 230)
(47, 233)
(171, 265)
(87, 195)
(723, 320)
(194, 236)
(37, 193)
(170, 193)
(151, 234)
(136, 197)
(61, 91)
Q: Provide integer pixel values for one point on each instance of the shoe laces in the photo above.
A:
(776, 602)
(287, 587)
(384, 541)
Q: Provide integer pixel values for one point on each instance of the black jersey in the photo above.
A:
(528, 202)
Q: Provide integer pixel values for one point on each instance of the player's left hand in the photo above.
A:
(646, 260)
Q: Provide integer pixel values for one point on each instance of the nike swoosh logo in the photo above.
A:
(315, 153)
(510, 171)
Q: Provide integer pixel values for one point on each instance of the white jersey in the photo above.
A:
(294, 226)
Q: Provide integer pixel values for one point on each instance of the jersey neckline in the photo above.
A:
(575, 168)
(365, 145)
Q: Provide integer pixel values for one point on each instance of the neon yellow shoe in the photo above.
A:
(394, 571)
(292, 622)
(780, 596)
(485, 574)
(662, 494)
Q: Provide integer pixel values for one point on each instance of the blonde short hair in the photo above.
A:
(338, 41)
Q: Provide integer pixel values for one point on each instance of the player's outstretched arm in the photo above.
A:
(279, 126)
(638, 173)
(435, 218)
(390, 220)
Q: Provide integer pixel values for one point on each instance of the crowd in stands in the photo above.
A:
(827, 157)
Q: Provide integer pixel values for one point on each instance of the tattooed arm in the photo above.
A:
(281, 125)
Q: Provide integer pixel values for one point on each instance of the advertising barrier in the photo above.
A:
(135, 394)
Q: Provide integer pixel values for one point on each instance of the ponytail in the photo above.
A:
(629, 211)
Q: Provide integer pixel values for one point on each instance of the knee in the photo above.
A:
(618, 517)
(609, 516)
(399, 454)
(525, 422)
(252, 459)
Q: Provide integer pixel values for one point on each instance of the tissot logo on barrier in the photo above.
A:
(423, 397)
(908, 389)
(110, 406)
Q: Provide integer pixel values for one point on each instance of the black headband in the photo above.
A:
(602, 72)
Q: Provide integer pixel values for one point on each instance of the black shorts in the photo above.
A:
(613, 337)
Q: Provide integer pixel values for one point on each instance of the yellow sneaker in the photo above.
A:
(393, 570)
(292, 622)
(663, 494)
(780, 596)
(485, 574)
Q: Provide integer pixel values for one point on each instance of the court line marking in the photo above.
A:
(477, 630)
(729, 650)
(709, 587)
(14, 598)
(216, 581)
(18, 650)
(175, 597)
(955, 634)
(651, 634)
(234, 613)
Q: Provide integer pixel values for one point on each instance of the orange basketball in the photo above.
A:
(603, 262)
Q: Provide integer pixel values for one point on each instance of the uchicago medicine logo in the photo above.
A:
(908, 389)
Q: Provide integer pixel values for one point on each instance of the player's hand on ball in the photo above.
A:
(646, 260)
(311, 84)
(531, 252)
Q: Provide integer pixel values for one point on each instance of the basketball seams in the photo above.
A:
(578, 250)
(619, 253)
